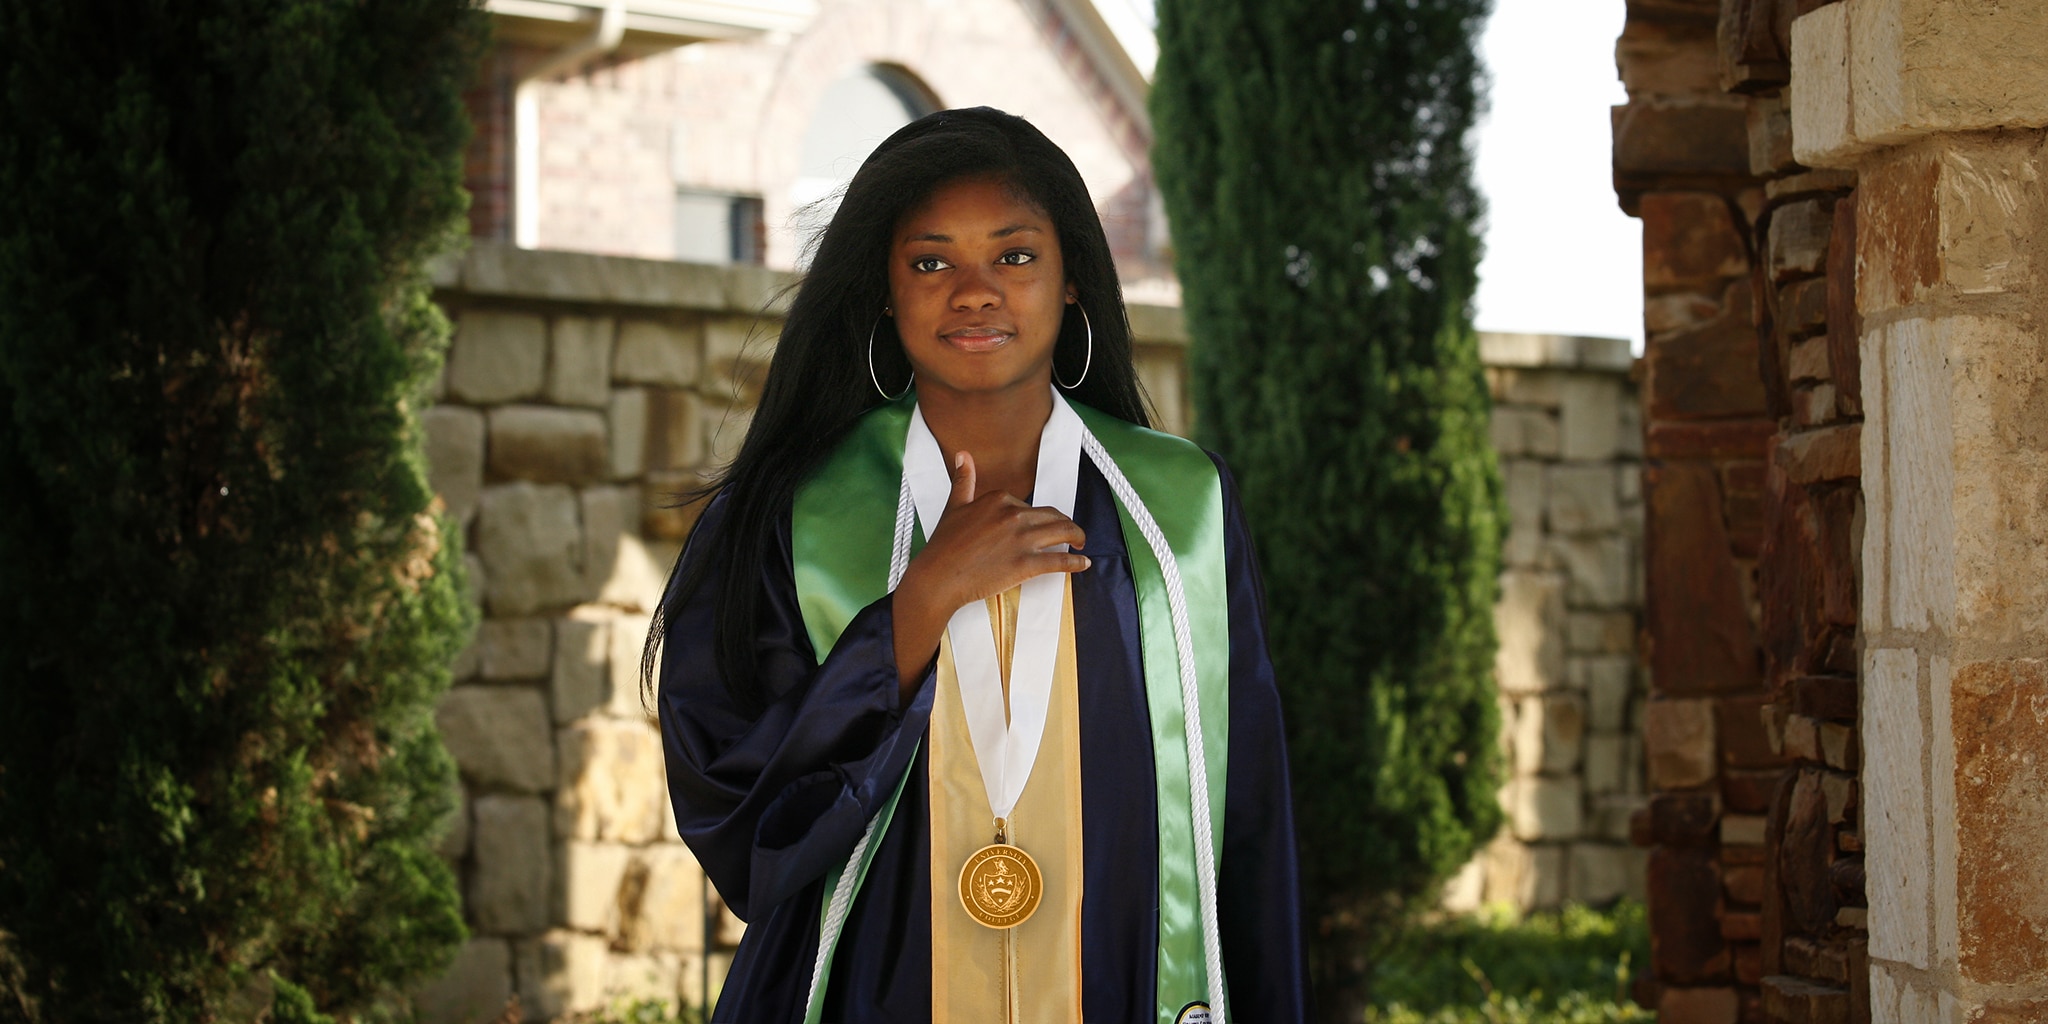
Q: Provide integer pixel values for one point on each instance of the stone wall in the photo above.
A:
(1938, 109)
(1566, 427)
(583, 390)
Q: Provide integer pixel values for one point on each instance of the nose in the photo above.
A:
(976, 287)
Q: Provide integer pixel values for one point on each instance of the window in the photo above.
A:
(853, 117)
(718, 227)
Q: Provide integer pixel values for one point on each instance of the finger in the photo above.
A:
(1048, 534)
(962, 473)
(1056, 561)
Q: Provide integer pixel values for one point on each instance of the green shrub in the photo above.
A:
(1313, 160)
(226, 607)
(1571, 967)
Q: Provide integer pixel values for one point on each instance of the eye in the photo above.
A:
(1016, 257)
(928, 264)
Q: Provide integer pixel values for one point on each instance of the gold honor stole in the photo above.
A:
(1030, 971)
(841, 532)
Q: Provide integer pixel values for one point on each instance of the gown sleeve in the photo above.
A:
(770, 802)
(1258, 886)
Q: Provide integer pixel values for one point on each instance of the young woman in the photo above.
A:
(963, 681)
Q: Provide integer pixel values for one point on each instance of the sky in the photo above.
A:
(1543, 164)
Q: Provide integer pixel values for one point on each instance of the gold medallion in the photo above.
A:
(1000, 886)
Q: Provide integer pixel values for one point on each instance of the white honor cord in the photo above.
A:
(1191, 712)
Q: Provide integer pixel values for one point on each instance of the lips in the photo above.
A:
(978, 339)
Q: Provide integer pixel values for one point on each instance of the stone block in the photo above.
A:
(1821, 132)
(1803, 999)
(1710, 371)
(561, 972)
(1798, 241)
(1601, 632)
(628, 637)
(1589, 417)
(1601, 872)
(454, 443)
(1920, 477)
(639, 568)
(580, 363)
(531, 541)
(1545, 808)
(1810, 358)
(626, 428)
(612, 782)
(515, 648)
(548, 445)
(668, 513)
(1530, 657)
(1680, 311)
(1770, 137)
(2000, 773)
(608, 514)
(1698, 1006)
(454, 844)
(651, 352)
(1699, 137)
(497, 356)
(1679, 735)
(1610, 684)
(1999, 403)
(1550, 733)
(1582, 499)
(1686, 947)
(1601, 570)
(499, 736)
(738, 349)
(676, 429)
(580, 681)
(1607, 763)
(1899, 865)
(1522, 482)
(592, 880)
(1690, 238)
(642, 978)
(1894, 997)
(662, 905)
(475, 987)
(1696, 609)
(509, 888)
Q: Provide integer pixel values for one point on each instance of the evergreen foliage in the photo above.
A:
(1314, 162)
(226, 605)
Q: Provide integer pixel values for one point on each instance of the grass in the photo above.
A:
(1497, 967)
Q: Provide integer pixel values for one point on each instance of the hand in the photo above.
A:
(984, 545)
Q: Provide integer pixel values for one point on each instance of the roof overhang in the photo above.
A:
(651, 25)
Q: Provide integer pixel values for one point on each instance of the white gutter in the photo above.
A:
(611, 27)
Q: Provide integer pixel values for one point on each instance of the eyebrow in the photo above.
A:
(932, 236)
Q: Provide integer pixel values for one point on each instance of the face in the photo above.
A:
(978, 289)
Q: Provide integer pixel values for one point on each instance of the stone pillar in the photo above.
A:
(1682, 165)
(1939, 106)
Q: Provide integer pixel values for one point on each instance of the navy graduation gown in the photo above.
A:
(773, 804)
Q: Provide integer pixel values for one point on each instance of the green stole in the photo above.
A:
(841, 530)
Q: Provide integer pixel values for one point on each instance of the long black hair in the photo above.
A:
(818, 382)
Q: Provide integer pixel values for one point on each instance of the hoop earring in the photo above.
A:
(886, 397)
(1090, 361)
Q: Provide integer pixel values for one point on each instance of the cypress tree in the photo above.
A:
(226, 603)
(1314, 163)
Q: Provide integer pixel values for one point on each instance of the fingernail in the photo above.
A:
(959, 459)
(1087, 563)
